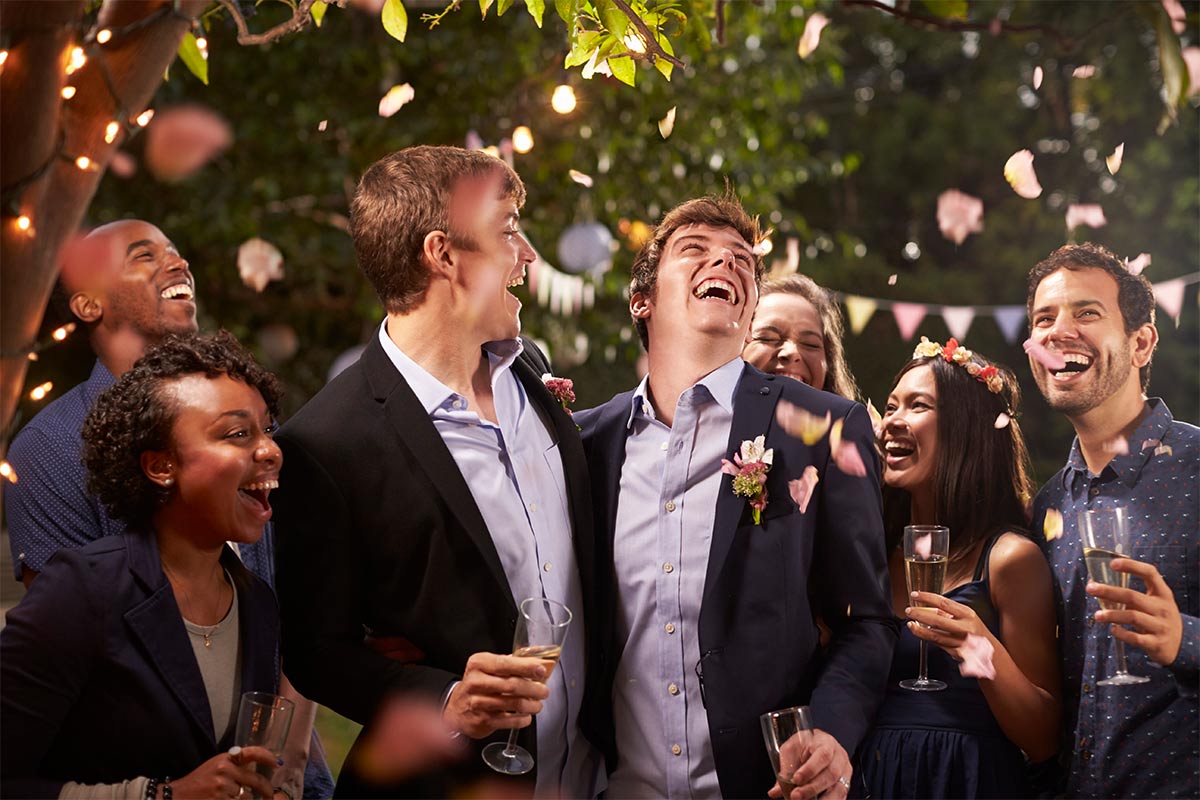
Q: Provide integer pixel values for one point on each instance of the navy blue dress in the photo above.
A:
(943, 744)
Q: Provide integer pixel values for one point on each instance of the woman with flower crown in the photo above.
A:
(954, 455)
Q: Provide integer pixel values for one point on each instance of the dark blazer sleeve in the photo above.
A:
(850, 553)
(49, 648)
(320, 579)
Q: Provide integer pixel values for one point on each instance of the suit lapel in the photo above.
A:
(412, 425)
(258, 628)
(753, 415)
(157, 624)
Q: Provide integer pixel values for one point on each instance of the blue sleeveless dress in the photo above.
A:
(943, 744)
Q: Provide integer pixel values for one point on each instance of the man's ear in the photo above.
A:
(86, 307)
(639, 305)
(158, 466)
(1143, 342)
(438, 252)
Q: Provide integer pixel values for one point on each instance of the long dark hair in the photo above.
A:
(981, 473)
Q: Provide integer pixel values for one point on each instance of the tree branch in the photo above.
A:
(653, 48)
(299, 20)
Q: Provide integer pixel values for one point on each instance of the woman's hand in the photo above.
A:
(226, 775)
(949, 623)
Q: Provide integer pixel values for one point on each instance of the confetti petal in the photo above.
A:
(1018, 171)
(667, 123)
(812, 34)
(395, 99)
(122, 164)
(259, 262)
(1038, 74)
(1002, 421)
(1085, 71)
(1191, 57)
(1052, 524)
(1088, 214)
(1149, 443)
(1136, 266)
(181, 140)
(845, 454)
(959, 215)
(805, 426)
(583, 179)
(1177, 14)
(1114, 161)
(1164, 450)
(923, 546)
(876, 419)
(892, 279)
(802, 488)
(976, 653)
(1043, 356)
(1118, 446)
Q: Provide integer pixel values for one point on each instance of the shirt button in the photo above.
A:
(1095, 490)
(669, 506)
(546, 566)
(1086, 755)
(533, 506)
(572, 683)
(676, 749)
(1087, 689)
(668, 567)
(670, 627)
(673, 689)
(665, 445)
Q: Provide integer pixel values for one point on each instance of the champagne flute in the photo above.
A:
(541, 631)
(926, 548)
(788, 736)
(1105, 535)
(264, 720)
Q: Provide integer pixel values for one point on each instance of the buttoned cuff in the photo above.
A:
(1186, 666)
(445, 702)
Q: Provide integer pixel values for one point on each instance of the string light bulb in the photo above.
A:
(39, 392)
(83, 162)
(78, 59)
(3, 58)
(24, 222)
(563, 99)
(111, 131)
(143, 119)
(522, 139)
(68, 92)
(63, 332)
(103, 36)
(202, 46)
(7, 472)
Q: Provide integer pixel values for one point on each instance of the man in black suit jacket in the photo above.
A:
(435, 483)
(715, 597)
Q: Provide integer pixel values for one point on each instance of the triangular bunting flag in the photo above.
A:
(1169, 295)
(958, 320)
(908, 317)
(1010, 319)
(859, 310)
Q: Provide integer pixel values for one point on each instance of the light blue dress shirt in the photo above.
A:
(664, 527)
(516, 479)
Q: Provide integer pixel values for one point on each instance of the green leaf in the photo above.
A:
(318, 10)
(623, 69)
(502, 6)
(582, 49)
(661, 64)
(395, 19)
(192, 58)
(484, 5)
(536, 9)
(566, 11)
(613, 18)
(947, 9)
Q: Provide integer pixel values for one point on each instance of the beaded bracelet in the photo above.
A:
(151, 788)
(168, 792)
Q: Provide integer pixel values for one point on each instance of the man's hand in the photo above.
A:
(1153, 615)
(496, 693)
(826, 773)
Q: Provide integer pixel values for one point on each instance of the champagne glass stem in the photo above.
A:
(510, 748)
(1122, 669)
(924, 662)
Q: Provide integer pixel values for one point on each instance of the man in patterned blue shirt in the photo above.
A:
(1131, 740)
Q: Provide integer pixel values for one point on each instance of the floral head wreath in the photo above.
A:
(988, 375)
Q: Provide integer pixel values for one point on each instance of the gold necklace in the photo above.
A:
(205, 631)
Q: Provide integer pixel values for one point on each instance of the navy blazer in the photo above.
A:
(766, 585)
(98, 681)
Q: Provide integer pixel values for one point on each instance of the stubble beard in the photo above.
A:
(1109, 381)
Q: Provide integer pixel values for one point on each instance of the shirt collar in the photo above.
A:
(1142, 444)
(720, 385)
(97, 382)
(431, 393)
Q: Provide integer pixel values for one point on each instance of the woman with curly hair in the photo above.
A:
(797, 331)
(954, 455)
(122, 668)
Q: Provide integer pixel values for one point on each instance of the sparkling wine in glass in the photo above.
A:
(1105, 536)
(541, 630)
(264, 720)
(926, 550)
(788, 736)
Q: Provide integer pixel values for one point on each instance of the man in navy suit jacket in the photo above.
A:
(712, 598)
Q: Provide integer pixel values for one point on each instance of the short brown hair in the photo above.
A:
(838, 377)
(1135, 296)
(713, 212)
(400, 199)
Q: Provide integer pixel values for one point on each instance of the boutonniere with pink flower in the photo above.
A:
(561, 389)
(749, 470)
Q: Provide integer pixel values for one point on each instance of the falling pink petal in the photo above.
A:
(1002, 421)
(1164, 450)
(1038, 74)
(959, 215)
(805, 426)
(1088, 214)
(1149, 443)
(1043, 356)
(583, 179)
(371, 7)
(923, 546)
(1136, 266)
(1178, 16)
(892, 279)
(812, 34)
(876, 419)
(849, 460)
(259, 262)
(802, 488)
(395, 99)
(1114, 161)
(1018, 171)
(667, 123)
(1052, 524)
(976, 653)
(181, 140)
(1118, 446)
(1191, 57)
(122, 164)
(1085, 71)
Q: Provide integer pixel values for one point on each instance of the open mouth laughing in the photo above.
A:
(896, 450)
(716, 289)
(258, 492)
(178, 291)
(1076, 363)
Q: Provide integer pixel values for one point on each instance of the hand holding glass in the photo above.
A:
(788, 736)
(1105, 536)
(264, 720)
(926, 550)
(541, 630)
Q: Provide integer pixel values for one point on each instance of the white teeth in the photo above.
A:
(178, 290)
(713, 283)
(892, 447)
(518, 282)
(1077, 358)
(260, 486)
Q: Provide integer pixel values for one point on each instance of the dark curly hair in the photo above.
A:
(135, 415)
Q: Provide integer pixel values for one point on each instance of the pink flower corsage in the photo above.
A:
(562, 389)
(749, 470)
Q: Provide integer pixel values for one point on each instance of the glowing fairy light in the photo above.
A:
(522, 139)
(63, 332)
(83, 162)
(103, 36)
(40, 392)
(68, 92)
(3, 58)
(202, 46)
(7, 472)
(78, 59)
(563, 99)
(111, 131)
(143, 119)
(24, 222)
